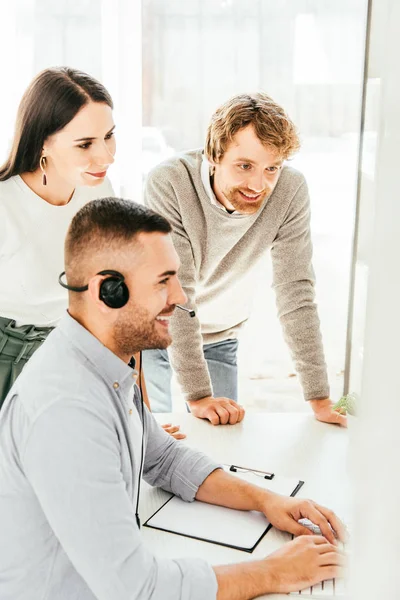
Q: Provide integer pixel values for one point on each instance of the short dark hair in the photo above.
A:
(105, 223)
(51, 101)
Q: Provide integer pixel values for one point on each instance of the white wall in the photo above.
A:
(376, 445)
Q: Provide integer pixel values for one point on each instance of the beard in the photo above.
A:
(138, 330)
(241, 204)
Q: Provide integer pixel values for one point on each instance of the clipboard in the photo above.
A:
(237, 529)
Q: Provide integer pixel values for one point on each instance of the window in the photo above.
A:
(168, 65)
(308, 55)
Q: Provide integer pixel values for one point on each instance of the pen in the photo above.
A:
(266, 474)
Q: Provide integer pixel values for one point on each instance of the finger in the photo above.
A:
(212, 415)
(172, 429)
(312, 513)
(333, 416)
(179, 436)
(233, 411)
(242, 412)
(222, 413)
(332, 558)
(166, 425)
(328, 548)
(321, 541)
(292, 526)
(339, 418)
(337, 525)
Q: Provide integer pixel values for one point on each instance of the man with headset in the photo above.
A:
(75, 439)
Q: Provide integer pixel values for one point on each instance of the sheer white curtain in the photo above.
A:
(122, 75)
(102, 38)
(16, 50)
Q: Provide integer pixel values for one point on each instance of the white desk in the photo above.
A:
(289, 444)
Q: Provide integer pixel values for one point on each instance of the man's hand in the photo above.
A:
(173, 430)
(324, 412)
(304, 562)
(219, 411)
(284, 513)
(299, 564)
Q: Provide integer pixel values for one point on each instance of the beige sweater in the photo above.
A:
(221, 256)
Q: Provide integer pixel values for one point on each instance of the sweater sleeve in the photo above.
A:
(72, 460)
(186, 351)
(293, 281)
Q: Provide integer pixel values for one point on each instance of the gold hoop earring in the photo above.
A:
(42, 164)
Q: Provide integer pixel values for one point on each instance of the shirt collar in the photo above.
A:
(117, 374)
(205, 178)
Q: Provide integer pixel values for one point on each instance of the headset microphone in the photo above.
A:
(189, 310)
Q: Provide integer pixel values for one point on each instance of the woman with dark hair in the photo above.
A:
(63, 145)
(62, 148)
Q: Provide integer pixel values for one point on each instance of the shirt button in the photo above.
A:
(115, 385)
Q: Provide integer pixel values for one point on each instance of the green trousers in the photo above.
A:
(17, 344)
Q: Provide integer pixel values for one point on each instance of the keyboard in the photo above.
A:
(332, 588)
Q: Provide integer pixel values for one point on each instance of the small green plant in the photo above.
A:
(347, 404)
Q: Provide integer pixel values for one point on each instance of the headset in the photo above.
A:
(113, 290)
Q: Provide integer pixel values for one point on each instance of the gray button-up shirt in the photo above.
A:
(70, 440)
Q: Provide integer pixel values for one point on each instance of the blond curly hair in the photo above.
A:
(272, 125)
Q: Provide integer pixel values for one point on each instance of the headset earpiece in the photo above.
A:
(113, 290)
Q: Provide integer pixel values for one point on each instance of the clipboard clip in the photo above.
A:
(263, 474)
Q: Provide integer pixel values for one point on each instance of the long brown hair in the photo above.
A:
(51, 101)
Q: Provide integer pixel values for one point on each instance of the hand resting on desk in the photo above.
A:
(219, 411)
(301, 563)
(324, 412)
